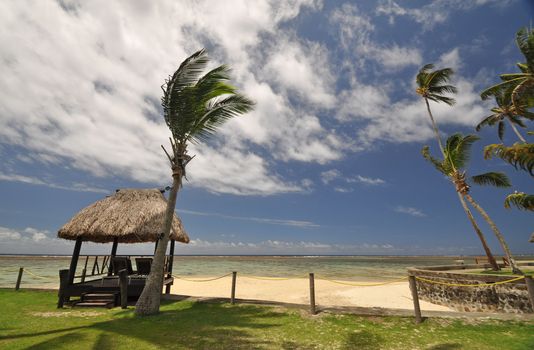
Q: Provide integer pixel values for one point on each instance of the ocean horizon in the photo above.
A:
(42, 269)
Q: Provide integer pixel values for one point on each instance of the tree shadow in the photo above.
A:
(363, 340)
(202, 325)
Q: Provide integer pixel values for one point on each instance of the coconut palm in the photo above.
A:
(506, 111)
(193, 108)
(456, 157)
(432, 85)
(521, 84)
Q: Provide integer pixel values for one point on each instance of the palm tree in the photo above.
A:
(506, 110)
(454, 161)
(193, 108)
(521, 84)
(431, 86)
(521, 156)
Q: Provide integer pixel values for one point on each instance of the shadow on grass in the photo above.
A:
(202, 325)
(363, 340)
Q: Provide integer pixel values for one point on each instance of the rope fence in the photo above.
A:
(312, 277)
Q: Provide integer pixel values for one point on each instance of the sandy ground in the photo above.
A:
(396, 295)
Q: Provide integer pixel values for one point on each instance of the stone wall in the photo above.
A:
(509, 297)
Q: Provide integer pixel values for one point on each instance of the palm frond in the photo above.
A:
(491, 179)
(520, 155)
(190, 102)
(458, 149)
(500, 130)
(525, 41)
(438, 164)
(495, 89)
(217, 112)
(489, 120)
(520, 200)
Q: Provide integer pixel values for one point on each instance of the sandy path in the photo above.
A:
(395, 295)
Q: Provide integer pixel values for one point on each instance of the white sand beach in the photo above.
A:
(395, 295)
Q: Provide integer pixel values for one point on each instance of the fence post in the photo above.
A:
(312, 294)
(19, 278)
(63, 283)
(84, 272)
(530, 289)
(415, 297)
(232, 296)
(123, 283)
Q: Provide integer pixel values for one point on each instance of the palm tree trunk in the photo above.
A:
(149, 301)
(517, 132)
(498, 234)
(434, 127)
(480, 235)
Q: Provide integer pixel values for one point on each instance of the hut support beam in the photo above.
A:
(74, 260)
(171, 252)
(113, 254)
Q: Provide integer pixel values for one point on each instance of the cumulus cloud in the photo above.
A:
(91, 74)
(355, 34)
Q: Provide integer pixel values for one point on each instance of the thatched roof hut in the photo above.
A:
(128, 216)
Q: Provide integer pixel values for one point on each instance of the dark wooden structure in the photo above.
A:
(129, 216)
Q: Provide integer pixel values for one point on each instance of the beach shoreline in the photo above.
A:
(395, 295)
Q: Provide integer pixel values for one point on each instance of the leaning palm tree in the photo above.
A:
(506, 111)
(432, 85)
(456, 157)
(521, 84)
(193, 108)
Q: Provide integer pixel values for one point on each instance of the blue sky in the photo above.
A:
(328, 163)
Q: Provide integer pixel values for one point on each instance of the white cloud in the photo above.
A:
(366, 180)
(91, 75)
(270, 221)
(330, 175)
(355, 32)
(78, 187)
(433, 13)
(407, 120)
(410, 211)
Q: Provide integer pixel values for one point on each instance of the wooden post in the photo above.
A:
(86, 260)
(19, 278)
(95, 264)
(63, 283)
(530, 288)
(312, 294)
(84, 272)
(74, 260)
(415, 297)
(169, 266)
(232, 297)
(123, 282)
(113, 254)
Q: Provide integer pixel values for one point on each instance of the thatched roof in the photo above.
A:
(132, 215)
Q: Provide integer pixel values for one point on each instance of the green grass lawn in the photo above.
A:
(30, 320)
